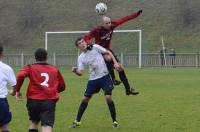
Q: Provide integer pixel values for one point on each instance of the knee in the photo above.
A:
(86, 99)
(4, 128)
(34, 125)
(108, 98)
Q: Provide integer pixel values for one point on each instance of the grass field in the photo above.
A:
(169, 102)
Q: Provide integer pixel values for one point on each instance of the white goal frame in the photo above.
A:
(119, 31)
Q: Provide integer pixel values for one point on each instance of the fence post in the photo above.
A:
(22, 59)
(197, 60)
(54, 59)
(122, 58)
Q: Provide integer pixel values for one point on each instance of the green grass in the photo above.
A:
(169, 102)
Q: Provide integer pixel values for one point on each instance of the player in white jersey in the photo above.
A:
(6, 75)
(98, 79)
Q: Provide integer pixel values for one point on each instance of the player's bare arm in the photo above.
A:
(76, 71)
(12, 91)
(116, 65)
(18, 96)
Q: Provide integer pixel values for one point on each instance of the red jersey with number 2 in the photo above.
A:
(45, 81)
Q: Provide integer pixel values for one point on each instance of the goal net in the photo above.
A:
(127, 45)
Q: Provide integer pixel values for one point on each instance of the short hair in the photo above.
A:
(40, 54)
(1, 50)
(79, 39)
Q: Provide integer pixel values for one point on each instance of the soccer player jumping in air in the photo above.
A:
(103, 35)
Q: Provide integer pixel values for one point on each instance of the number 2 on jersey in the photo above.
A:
(45, 83)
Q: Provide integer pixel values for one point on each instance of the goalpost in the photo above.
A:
(117, 31)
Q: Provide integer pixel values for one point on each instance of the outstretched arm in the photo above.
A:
(91, 35)
(122, 20)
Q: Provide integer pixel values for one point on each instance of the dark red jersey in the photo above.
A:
(45, 81)
(103, 36)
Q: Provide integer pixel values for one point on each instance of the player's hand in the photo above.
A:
(12, 91)
(18, 96)
(74, 69)
(89, 47)
(139, 12)
(117, 66)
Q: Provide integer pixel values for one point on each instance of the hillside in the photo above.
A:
(24, 22)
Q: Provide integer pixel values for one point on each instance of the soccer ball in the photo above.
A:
(101, 8)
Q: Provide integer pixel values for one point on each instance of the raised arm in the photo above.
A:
(122, 20)
(91, 35)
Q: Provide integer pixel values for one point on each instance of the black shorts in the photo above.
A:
(41, 110)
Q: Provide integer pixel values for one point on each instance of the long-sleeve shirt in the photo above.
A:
(45, 81)
(103, 36)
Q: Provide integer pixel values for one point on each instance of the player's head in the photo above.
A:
(40, 54)
(80, 43)
(1, 51)
(106, 22)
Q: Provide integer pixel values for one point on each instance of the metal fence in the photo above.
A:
(129, 60)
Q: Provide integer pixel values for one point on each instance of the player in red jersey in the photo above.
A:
(103, 35)
(42, 94)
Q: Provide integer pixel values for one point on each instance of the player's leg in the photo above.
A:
(33, 126)
(82, 107)
(107, 87)
(110, 67)
(47, 115)
(4, 128)
(123, 78)
(33, 112)
(5, 115)
(112, 109)
(47, 129)
(91, 89)
(84, 103)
